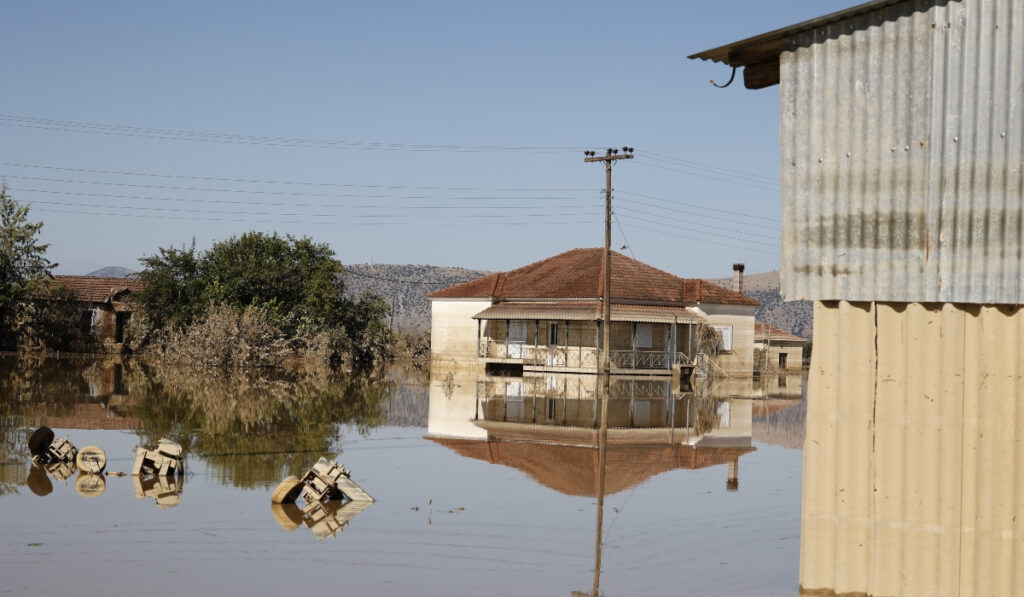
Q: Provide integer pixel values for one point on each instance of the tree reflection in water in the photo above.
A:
(250, 427)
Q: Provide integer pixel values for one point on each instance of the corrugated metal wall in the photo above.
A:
(914, 453)
(902, 138)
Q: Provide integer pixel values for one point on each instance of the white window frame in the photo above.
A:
(726, 332)
(553, 334)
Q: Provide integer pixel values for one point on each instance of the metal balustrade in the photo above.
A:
(580, 357)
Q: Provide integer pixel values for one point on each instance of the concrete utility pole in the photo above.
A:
(606, 361)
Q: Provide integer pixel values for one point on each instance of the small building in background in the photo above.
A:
(546, 316)
(106, 304)
(782, 350)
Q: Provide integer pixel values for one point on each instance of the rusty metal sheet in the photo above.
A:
(902, 136)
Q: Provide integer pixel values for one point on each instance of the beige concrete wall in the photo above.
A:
(453, 331)
(739, 362)
(794, 356)
(914, 461)
(453, 402)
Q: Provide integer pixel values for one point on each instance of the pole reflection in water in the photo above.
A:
(549, 426)
(602, 465)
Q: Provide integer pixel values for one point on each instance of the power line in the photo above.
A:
(692, 223)
(313, 215)
(691, 214)
(264, 192)
(212, 137)
(543, 205)
(165, 216)
(701, 207)
(678, 232)
(297, 182)
(710, 167)
(714, 178)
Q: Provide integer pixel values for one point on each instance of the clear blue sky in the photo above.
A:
(410, 120)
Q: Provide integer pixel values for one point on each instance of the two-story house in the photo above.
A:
(546, 316)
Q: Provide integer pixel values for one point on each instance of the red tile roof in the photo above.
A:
(587, 311)
(94, 289)
(762, 332)
(578, 274)
(573, 469)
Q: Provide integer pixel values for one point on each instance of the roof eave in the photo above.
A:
(759, 55)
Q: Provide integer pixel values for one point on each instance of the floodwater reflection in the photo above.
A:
(673, 512)
(325, 519)
(247, 427)
(557, 429)
(548, 427)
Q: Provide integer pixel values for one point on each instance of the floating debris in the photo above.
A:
(332, 499)
(91, 460)
(46, 451)
(324, 482)
(165, 461)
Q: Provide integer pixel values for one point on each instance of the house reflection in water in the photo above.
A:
(547, 427)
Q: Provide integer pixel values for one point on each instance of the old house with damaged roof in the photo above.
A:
(546, 316)
(106, 304)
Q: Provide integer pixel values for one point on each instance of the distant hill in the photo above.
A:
(113, 272)
(795, 317)
(406, 286)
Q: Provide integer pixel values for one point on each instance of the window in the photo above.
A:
(782, 360)
(517, 332)
(552, 334)
(726, 332)
(724, 412)
(643, 335)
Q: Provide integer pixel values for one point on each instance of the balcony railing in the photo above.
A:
(580, 357)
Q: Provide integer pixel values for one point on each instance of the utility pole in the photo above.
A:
(606, 363)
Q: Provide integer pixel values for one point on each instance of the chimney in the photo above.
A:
(737, 277)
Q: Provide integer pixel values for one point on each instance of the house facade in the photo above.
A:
(546, 317)
(107, 304)
(782, 350)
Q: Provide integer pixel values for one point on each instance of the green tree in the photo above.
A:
(174, 287)
(294, 276)
(294, 285)
(23, 266)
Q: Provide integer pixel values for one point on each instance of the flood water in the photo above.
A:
(481, 486)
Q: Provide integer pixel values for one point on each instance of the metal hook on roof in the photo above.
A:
(727, 83)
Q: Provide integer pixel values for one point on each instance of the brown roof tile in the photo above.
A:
(96, 289)
(577, 274)
(573, 469)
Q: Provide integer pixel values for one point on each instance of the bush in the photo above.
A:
(228, 338)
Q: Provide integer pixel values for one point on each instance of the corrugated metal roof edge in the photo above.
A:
(766, 47)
